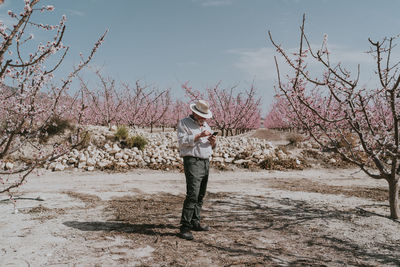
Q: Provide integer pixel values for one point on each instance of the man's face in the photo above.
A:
(200, 119)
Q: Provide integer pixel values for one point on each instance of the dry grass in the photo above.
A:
(294, 138)
(88, 199)
(282, 164)
(246, 230)
(272, 135)
(276, 135)
(305, 185)
(42, 213)
(38, 209)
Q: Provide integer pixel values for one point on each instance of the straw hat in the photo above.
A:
(201, 108)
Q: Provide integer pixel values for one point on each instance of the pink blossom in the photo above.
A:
(27, 7)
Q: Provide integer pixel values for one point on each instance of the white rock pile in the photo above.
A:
(162, 152)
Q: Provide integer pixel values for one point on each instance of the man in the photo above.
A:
(196, 142)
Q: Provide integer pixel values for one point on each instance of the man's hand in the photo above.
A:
(202, 134)
(213, 140)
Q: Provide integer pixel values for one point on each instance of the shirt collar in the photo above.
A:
(196, 121)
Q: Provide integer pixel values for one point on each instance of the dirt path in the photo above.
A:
(266, 218)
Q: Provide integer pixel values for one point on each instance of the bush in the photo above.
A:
(85, 139)
(280, 165)
(122, 133)
(294, 139)
(348, 141)
(56, 125)
(137, 141)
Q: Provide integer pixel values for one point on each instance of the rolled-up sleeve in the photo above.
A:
(184, 138)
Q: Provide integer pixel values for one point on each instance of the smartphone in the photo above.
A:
(215, 133)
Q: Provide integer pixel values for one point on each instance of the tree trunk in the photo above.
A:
(394, 199)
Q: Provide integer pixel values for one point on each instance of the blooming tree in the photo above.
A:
(280, 115)
(104, 103)
(178, 111)
(138, 103)
(31, 101)
(111, 105)
(361, 124)
(158, 105)
(232, 112)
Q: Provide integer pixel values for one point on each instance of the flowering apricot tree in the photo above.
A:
(238, 112)
(144, 105)
(111, 104)
(104, 103)
(233, 113)
(279, 116)
(361, 124)
(178, 111)
(158, 104)
(136, 104)
(32, 99)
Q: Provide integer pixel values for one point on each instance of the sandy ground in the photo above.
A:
(324, 217)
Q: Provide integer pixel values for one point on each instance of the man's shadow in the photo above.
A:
(123, 227)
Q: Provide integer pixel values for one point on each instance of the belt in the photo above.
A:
(197, 158)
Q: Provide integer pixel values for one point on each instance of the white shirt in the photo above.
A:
(188, 128)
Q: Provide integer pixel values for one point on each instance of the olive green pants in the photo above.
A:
(196, 172)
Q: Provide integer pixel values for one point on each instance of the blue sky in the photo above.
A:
(167, 42)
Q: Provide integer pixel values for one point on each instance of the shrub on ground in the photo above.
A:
(56, 125)
(122, 133)
(285, 164)
(85, 138)
(137, 141)
(294, 139)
